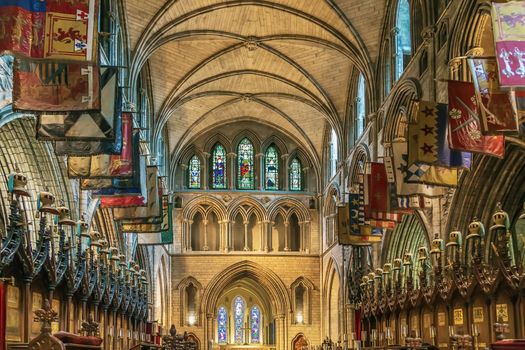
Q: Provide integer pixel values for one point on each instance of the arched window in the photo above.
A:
(194, 173)
(255, 325)
(333, 155)
(239, 307)
(219, 167)
(403, 41)
(387, 69)
(272, 168)
(296, 181)
(222, 325)
(245, 167)
(360, 105)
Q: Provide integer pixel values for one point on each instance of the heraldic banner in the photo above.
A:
(50, 29)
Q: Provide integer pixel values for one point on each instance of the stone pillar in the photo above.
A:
(229, 233)
(188, 235)
(286, 236)
(306, 236)
(232, 166)
(262, 238)
(286, 184)
(266, 235)
(260, 172)
(208, 331)
(205, 222)
(246, 248)
(205, 171)
(281, 332)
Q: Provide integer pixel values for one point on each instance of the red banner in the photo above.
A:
(378, 195)
(55, 87)
(464, 122)
(497, 114)
(54, 29)
(508, 22)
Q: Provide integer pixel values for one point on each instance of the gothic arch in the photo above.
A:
(252, 137)
(407, 91)
(280, 300)
(182, 287)
(278, 142)
(246, 206)
(204, 204)
(294, 206)
(360, 156)
(332, 273)
(218, 138)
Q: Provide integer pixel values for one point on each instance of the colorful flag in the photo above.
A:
(107, 165)
(86, 126)
(149, 225)
(152, 207)
(43, 86)
(377, 185)
(51, 29)
(91, 148)
(6, 80)
(427, 139)
(348, 219)
(464, 124)
(165, 236)
(497, 114)
(431, 175)
(399, 162)
(120, 186)
(508, 23)
(148, 187)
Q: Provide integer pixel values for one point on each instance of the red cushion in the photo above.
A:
(70, 338)
(509, 344)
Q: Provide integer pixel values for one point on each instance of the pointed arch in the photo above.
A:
(218, 167)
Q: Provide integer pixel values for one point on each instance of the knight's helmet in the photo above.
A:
(437, 249)
(501, 226)
(454, 244)
(64, 217)
(46, 203)
(16, 184)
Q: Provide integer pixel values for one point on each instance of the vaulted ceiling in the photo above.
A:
(282, 62)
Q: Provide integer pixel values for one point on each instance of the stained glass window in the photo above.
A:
(296, 181)
(245, 170)
(238, 319)
(194, 173)
(361, 107)
(272, 168)
(222, 324)
(403, 40)
(219, 167)
(255, 322)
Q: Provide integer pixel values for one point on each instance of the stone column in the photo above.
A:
(246, 248)
(286, 236)
(262, 245)
(205, 222)
(208, 331)
(205, 173)
(232, 166)
(229, 235)
(188, 235)
(266, 235)
(286, 183)
(306, 236)
(260, 172)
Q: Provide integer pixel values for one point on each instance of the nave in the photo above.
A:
(262, 174)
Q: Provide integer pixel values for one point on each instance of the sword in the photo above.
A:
(473, 116)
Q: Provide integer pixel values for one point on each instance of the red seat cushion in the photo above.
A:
(71, 338)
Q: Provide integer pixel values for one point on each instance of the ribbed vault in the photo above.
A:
(284, 62)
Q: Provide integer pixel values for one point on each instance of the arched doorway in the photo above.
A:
(246, 304)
